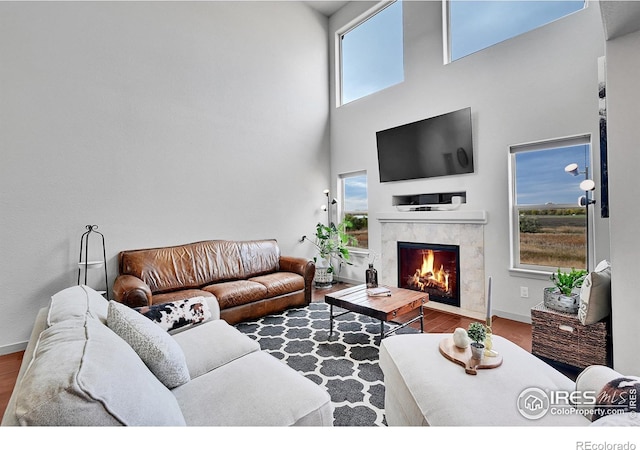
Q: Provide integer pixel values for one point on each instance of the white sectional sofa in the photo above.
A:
(93, 362)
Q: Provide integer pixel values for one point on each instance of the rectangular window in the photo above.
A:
(476, 25)
(355, 209)
(549, 227)
(371, 53)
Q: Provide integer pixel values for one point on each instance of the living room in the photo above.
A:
(167, 123)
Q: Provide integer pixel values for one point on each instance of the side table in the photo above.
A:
(562, 338)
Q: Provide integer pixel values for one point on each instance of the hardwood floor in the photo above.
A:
(434, 322)
(9, 367)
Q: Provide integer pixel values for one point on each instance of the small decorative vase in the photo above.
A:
(477, 350)
(371, 276)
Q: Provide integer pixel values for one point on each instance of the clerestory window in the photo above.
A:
(371, 53)
(475, 25)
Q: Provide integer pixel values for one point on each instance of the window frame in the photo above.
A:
(342, 210)
(514, 209)
(446, 30)
(355, 23)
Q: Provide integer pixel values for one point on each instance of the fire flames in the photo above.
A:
(427, 277)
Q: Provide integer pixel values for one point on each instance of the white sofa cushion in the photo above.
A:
(255, 390)
(83, 374)
(213, 344)
(159, 351)
(77, 302)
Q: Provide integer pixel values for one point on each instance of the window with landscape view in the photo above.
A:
(371, 53)
(354, 201)
(549, 228)
(476, 25)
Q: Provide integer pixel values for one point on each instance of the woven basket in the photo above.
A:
(561, 337)
(553, 299)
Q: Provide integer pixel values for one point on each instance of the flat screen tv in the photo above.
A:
(433, 147)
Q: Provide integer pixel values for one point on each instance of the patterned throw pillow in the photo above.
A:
(159, 351)
(618, 396)
(173, 315)
(595, 295)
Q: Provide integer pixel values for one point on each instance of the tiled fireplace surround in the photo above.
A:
(462, 228)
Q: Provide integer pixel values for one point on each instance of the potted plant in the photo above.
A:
(332, 242)
(561, 296)
(477, 333)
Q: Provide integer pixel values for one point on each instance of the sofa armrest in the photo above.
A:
(594, 378)
(132, 291)
(303, 267)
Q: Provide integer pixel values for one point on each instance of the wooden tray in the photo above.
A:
(463, 357)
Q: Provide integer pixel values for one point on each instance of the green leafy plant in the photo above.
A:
(477, 332)
(333, 242)
(566, 282)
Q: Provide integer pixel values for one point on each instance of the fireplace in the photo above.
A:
(430, 268)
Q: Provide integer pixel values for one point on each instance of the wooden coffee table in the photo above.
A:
(384, 308)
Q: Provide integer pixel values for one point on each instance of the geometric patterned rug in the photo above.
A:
(346, 366)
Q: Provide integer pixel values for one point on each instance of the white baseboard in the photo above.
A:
(13, 348)
(511, 316)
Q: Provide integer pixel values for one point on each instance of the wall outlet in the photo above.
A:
(524, 292)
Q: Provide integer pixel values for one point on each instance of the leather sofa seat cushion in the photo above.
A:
(234, 293)
(213, 344)
(82, 373)
(280, 283)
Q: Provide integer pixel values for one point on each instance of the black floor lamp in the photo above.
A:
(587, 185)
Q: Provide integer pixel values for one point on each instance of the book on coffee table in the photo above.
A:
(379, 292)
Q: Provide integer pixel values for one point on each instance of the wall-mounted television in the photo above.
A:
(433, 147)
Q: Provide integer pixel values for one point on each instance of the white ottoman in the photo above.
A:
(422, 387)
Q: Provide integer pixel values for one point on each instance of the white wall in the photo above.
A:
(623, 98)
(164, 123)
(537, 86)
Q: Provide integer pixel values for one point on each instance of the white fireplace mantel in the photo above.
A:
(461, 216)
(464, 228)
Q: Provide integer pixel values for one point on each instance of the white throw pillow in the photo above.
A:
(595, 295)
(159, 351)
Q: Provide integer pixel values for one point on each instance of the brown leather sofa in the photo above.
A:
(250, 279)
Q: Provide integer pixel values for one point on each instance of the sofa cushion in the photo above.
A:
(595, 295)
(234, 293)
(186, 266)
(159, 351)
(259, 257)
(213, 344)
(174, 315)
(77, 302)
(83, 374)
(255, 390)
(280, 283)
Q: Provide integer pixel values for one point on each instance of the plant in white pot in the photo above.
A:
(562, 297)
(477, 333)
(332, 243)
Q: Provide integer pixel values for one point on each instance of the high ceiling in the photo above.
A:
(326, 7)
(620, 18)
